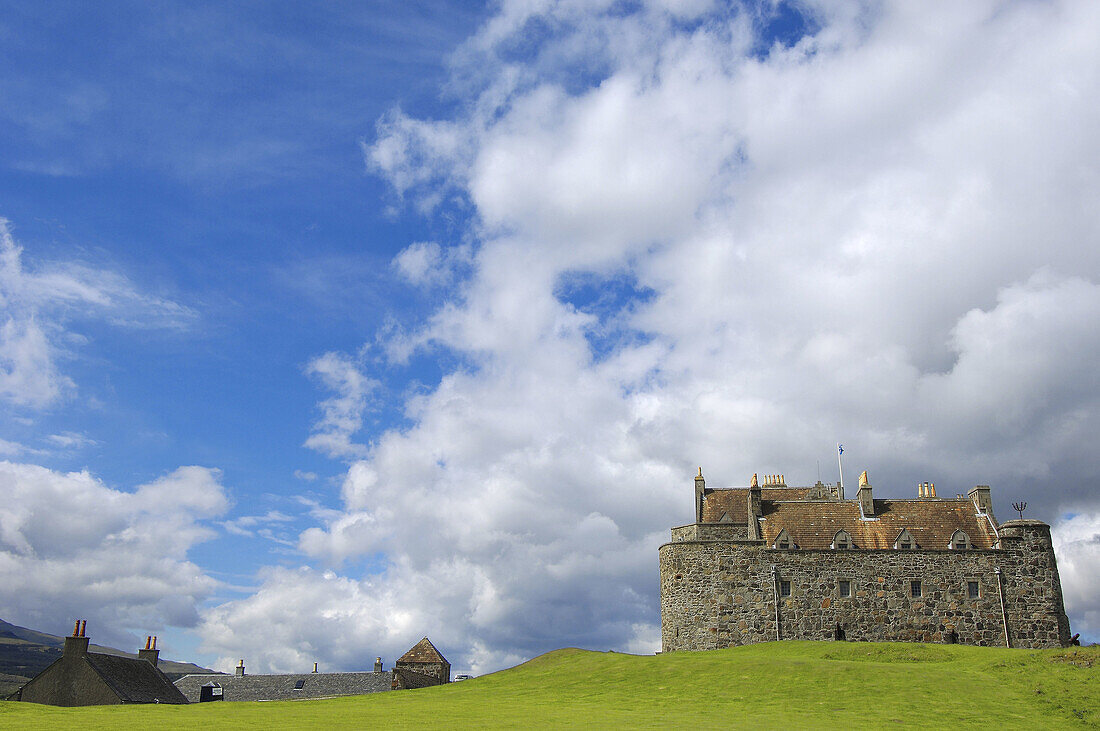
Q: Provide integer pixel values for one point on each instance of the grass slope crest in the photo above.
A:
(771, 685)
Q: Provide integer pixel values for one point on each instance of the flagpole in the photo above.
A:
(840, 463)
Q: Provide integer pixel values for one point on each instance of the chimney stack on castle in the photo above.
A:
(240, 668)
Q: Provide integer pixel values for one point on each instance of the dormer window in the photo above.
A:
(842, 539)
(960, 541)
(783, 540)
(904, 541)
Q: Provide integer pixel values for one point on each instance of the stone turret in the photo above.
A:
(1031, 539)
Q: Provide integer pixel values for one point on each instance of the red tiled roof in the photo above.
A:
(812, 524)
(733, 501)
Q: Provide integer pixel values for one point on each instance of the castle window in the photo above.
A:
(914, 589)
(960, 541)
(904, 541)
(783, 540)
(844, 587)
(842, 539)
(972, 590)
(784, 588)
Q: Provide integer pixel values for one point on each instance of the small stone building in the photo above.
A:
(423, 659)
(418, 672)
(82, 678)
(772, 562)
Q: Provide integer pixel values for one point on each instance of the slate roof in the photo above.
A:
(134, 681)
(281, 687)
(423, 651)
(813, 523)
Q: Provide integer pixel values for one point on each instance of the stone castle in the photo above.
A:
(772, 562)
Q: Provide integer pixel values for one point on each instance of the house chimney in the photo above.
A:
(863, 495)
(150, 653)
(979, 495)
(77, 644)
(314, 667)
(700, 491)
(931, 489)
(240, 668)
(377, 664)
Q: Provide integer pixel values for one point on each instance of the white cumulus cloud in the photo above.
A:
(691, 251)
(71, 546)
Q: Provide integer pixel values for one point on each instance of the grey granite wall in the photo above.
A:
(719, 593)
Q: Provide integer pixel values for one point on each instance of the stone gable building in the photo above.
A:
(772, 562)
(423, 659)
(82, 678)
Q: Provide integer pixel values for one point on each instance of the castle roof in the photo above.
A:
(423, 651)
(812, 524)
(732, 502)
(931, 522)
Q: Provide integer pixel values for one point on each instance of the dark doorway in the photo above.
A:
(210, 692)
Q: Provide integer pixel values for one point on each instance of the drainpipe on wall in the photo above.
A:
(775, 594)
(1001, 594)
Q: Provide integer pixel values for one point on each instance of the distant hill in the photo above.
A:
(25, 653)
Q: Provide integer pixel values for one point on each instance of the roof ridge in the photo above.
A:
(424, 646)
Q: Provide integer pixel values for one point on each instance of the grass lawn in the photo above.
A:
(786, 685)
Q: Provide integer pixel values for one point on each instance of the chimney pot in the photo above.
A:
(83, 626)
(314, 667)
(150, 653)
(377, 664)
(78, 643)
(240, 668)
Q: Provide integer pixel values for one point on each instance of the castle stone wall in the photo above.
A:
(710, 532)
(719, 593)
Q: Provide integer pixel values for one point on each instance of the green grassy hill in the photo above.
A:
(775, 685)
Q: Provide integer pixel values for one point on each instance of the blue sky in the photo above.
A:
(415, 318)
(212, 157)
